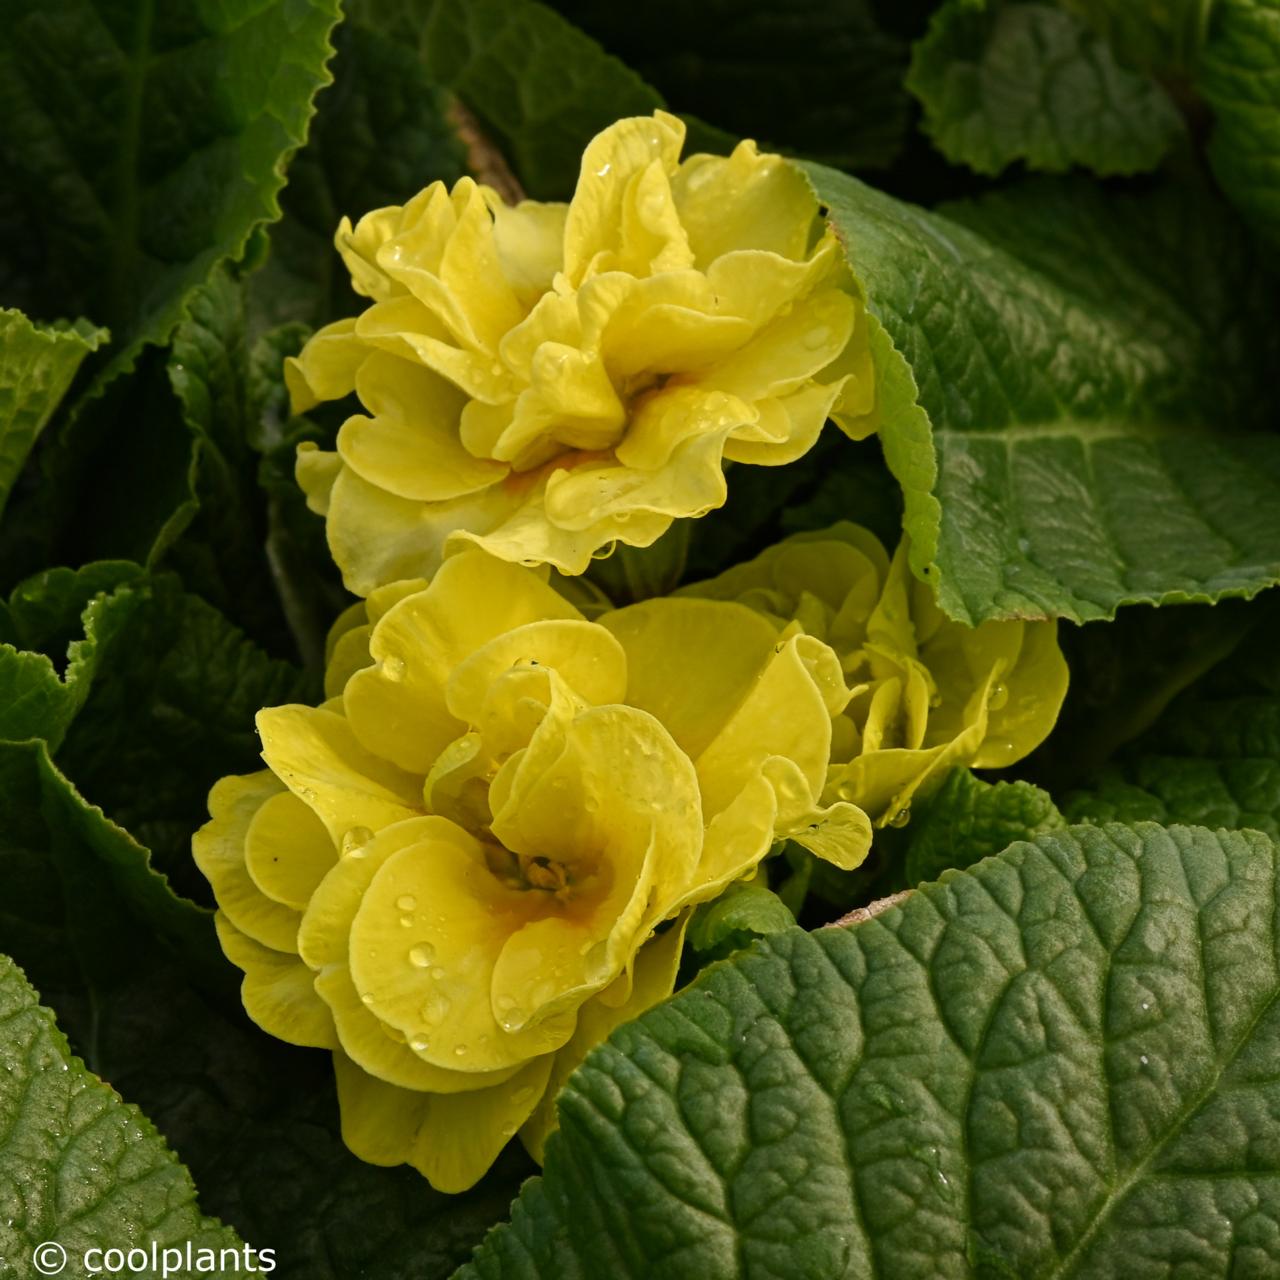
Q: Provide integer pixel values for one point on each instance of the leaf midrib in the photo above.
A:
(1066, 1267)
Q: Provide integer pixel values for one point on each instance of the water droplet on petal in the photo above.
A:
(603, 171)
(419, 1044)
(422, 955)
(460, 1051)
(902, 817)
(817, 338)
(406, 902)
(998, 696)
(354, 842)
(366, 998)
(393, 668)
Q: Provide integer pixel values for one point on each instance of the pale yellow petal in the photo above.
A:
(326, 368)
(277, 990)
(219, 851)
(410, 447)
(317, 756)
(612, 160)
(529, 239)
(287, 850)
(384, 1052)
(432, 981)
(722, 649)
(788, 351)
(745, 201)
(652, 980)
(316, 471)
(450, 1139)
(585, 656)
(614, 801)
(376, 537)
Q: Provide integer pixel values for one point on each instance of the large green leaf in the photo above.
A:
(37, 363)
(1002, 82)
(155, 702)
(821, 79)
(143, 143)
(1060, 1063)
(76, 886)
(1074, 392)
(82, 1169)
(1212, 757)
(1239, 76)
(538, 85)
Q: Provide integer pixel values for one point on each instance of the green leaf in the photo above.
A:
(1006, 82)
(1239, 76)
(540, 87)
(173, 714)
(144, 143)
(1163, 35)
(217, 539)
(741, 914)
(966, 820)
(44, 621)
(81, 1167)
(156, 702)
(37, 363)
(380, 135)
(1124, 673)
(1057, 1064)
(63, 865)
(1072, 386)
(822, 80)
(1212, 757)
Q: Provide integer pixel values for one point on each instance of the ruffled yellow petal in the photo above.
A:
(376, 538)
(722, 649)
(219, 851)
(277, 990)
(611, 165)
(615, 801)
(450, 1140)
(424, 978)
(326, 368)
(652, 980)
(410, 446)
(747, 201)
(384, 1052)
(317, 756)
(287, 850)
(316, 471)
(529, 240)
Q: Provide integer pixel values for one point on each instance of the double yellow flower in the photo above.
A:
(546, 380)
(479, 855)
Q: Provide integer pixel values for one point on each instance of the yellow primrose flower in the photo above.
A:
(545, 380)
(476, 858)
(928, 693)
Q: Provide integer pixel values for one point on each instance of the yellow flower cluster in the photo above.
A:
(926, 694)
(547, 380)
(474, 859)
(480, 853)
